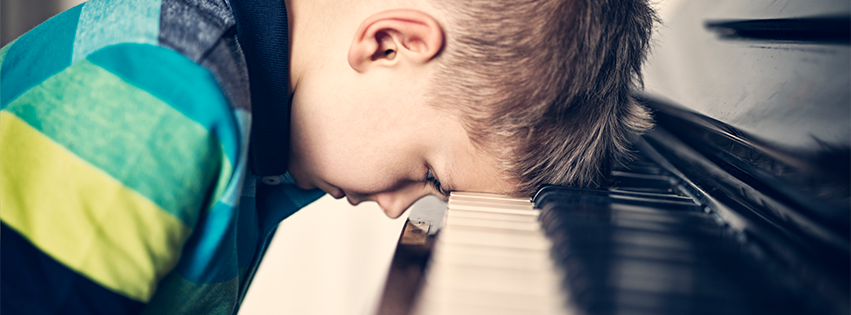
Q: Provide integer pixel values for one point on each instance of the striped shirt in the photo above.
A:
(124, 183)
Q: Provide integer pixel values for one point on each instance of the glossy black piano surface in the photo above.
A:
(645, 247)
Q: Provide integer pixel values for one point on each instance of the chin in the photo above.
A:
(393, 214)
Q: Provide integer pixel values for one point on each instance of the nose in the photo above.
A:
(395, 202)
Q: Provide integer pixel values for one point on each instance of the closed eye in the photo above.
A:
(435, 183)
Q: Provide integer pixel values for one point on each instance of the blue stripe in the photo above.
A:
(38, 54)
(35, 283)
(209, 256)
(176, 80)
(109, 22)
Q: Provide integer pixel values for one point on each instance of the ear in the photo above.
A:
(389, 37)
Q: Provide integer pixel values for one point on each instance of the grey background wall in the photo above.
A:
(19, 16)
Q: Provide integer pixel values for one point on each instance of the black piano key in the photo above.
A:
(595, 277)
(617, 193)
(651, 221)
(641, 167)
(644, 253)
(632, 302)
(559, 192)
(604, 251)
(643, 182)
(555, 219)
(591, 199)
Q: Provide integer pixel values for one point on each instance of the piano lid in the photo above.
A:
(777, 69)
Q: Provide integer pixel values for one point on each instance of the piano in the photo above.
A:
(680, 231)
(737, 202)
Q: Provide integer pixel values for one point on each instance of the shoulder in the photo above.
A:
(86, 64)
(132, 100)
(122, 144)
(192, 28)
(127, 48)
(122, 148)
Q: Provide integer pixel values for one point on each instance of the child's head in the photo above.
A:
(545, 85)
(483, 96)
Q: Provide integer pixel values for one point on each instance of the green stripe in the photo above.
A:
(38, 54)
(178, 81)
(224, 179)
(128, 133)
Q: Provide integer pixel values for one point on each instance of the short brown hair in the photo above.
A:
(545, 85)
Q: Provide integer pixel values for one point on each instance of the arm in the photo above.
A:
(104, 168)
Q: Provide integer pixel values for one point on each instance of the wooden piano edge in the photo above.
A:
(406, 275)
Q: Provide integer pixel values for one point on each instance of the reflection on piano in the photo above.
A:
(691, 225)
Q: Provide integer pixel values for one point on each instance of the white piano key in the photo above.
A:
(492, 257)
(478, 278)
(486, 196)
(493, 205)
(496, 252)
(497, 224)
(455, 213)
(495, 238)
(452, 301)
(456, 309)
(484, 208)
(512, 202)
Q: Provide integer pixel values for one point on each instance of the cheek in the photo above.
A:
(357, 153)
(368, 170)
(343, 164)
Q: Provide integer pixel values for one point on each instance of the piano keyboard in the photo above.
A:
(642, 247)
(492, 257)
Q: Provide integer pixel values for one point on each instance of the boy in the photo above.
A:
(149, 149)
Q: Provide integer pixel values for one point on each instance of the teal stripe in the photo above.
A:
(38, 54)
(128, 133)
(178, 81)
(3, 52)
(109, 22)
(210, 254)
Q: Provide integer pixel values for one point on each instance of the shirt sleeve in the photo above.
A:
(104, 169)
